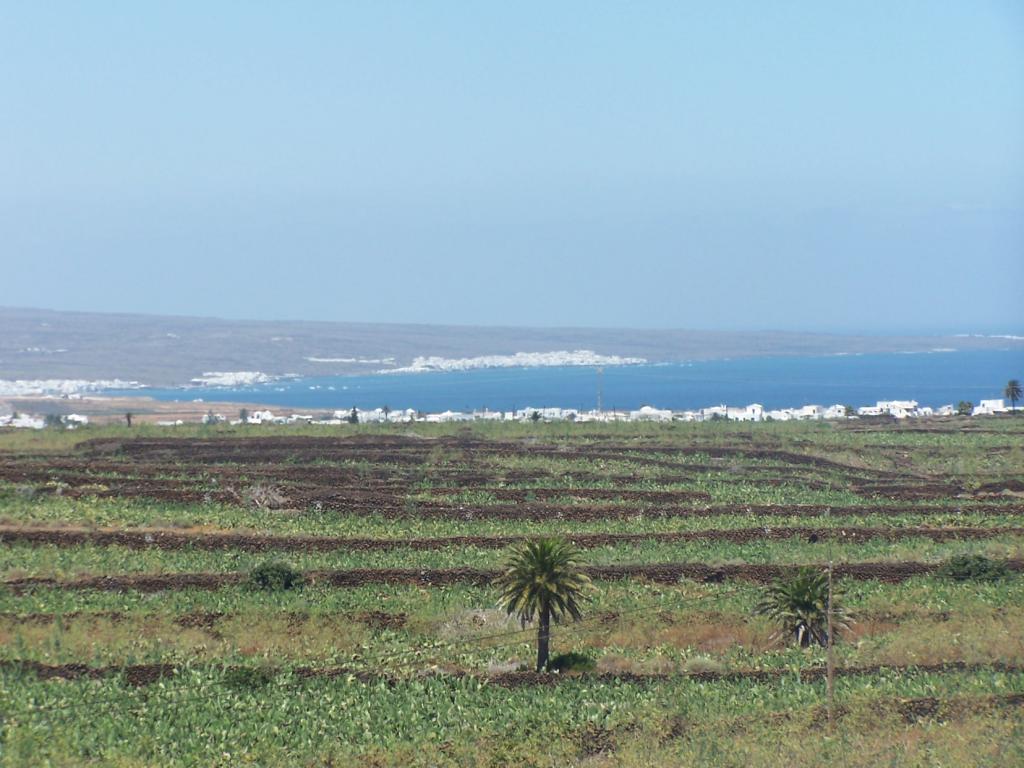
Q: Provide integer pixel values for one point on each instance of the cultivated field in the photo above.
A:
(130, 633)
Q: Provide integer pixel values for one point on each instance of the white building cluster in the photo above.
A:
(900, 409)
(35, 421)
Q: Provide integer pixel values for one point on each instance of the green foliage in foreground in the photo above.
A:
(202, 718)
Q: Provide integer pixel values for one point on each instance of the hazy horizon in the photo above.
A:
(1017, 331)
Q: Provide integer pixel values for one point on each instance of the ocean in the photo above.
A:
(934, 379)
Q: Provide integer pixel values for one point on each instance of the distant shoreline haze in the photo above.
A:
(165, 351)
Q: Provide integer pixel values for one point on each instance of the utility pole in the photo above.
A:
(830, 663)
(600, 387)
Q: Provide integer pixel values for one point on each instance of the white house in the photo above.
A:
(647, 413)
(808, 412)
(261, 417)
(901, 409)
(989, 408)
(486, 415)
(715, 411)
(752, 412)
(22, 421)
(447, 417)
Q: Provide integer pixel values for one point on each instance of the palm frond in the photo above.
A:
(799, 605)
(543, 573)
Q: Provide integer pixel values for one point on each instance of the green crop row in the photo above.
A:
(921, 593)
(640, 638)
(18, 508)
(664, 626)
(67, 562)
(204, 717)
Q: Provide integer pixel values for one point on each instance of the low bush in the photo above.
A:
(275, 576)
(571, 662)
(247, 678)
(973, 568)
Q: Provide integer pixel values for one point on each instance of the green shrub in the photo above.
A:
(275, 575)
(973, 568)
(571, 662)
(247, 678)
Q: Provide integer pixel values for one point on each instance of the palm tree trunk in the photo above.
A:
(543, 638)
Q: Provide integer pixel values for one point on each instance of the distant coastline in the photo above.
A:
(163, 351)
(783, 387)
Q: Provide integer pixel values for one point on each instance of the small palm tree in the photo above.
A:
(543, 578)
(1012, 392)
(799, 604)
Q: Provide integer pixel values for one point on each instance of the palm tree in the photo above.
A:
(799, 604)
(543, 578)
(1012, 392)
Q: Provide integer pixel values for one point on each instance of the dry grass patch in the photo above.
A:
(127, 638)
(724, 634)
(975, 639)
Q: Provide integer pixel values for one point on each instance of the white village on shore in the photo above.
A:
(897, 409)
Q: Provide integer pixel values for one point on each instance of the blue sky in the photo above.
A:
(796, 165)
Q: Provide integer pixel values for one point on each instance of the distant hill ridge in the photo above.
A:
(170, 350)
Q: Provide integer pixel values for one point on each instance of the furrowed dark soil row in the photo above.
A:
(363, 491)
(45, 468)
(207, 620)
(548, 512)
(903, 492)
(662, 573)
(604, 494)
(43, 472)
(393, 506)
(174, 540)
(146, 674)
(404, 450)
(322, 484)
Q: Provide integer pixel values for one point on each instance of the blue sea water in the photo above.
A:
(775, 382)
